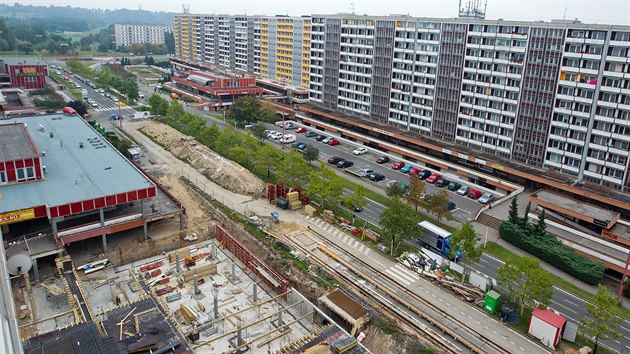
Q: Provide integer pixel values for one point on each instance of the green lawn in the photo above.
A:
(504, 254)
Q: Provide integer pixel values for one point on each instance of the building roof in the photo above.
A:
(586, 211)
(72, 173)
(16, 143)
(550, 317)
(22, 61)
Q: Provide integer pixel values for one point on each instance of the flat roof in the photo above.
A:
(16, 143)
(22, 61)
(576, 206)
(72, 173)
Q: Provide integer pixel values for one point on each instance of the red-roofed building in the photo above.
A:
(547, 326)
(27, 73)
(211, 86)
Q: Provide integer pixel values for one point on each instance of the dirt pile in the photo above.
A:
(225, 173)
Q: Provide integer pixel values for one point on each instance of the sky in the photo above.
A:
(587, 11)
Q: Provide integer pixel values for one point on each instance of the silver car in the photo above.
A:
(486, 198)
(463, 190)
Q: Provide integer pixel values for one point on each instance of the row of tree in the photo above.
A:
(111, 75)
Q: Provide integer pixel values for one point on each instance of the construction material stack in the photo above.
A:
(294, 200)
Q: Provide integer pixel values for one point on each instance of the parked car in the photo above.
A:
(321, 137)
(326, 139)
(302, 147)
(474, 194)
(434, 178)
(115, 117)
(454, 186)
(376, 177)
(463, 190)
(334, 160)
(288, 139)
(290, 126)
(333, 142)
(424, 174)
(382, 160)
(486, 198)
(442, 183)
(345, 164)
(115, 99)
(296, 144)
(101, 90)
(360, 151)
(415, 171)
(93, 104)
(406, 168)
(300, 130)
(451, 206)
(365, 172)
(311, 134)
(398, 165)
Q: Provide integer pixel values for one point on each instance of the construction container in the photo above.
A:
(492, 302)
(293, 196)
(282, 203)
(296, 204)
(310, 211)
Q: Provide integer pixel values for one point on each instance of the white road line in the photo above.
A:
(361, 248)
(345, 238)
(402, 275)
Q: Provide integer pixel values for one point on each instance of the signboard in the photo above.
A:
(481, 162)
(463, 157)
(600, 223)
(609, 234)
(447, 151)
(15, 216)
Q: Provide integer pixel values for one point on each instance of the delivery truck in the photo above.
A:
(436, 238)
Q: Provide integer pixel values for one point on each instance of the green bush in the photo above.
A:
(626, 290)
(548, 248)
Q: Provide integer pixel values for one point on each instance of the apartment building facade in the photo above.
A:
(551, 95)
(127, 34)
(275, 47)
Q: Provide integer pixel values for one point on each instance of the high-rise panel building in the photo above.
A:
(554, 95)
(276, 47)
(128, 34)
(543, 94)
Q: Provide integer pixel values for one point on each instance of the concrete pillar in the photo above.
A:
(255, 293)
(177, 267)
(196, 284)
(239, 335)
(101, 213)
(35, 269)
(214, 251)
(181, 222)
(145, 230)
(280, 318)
(142, 207)
(233, 271)
(104, 242)
(216, 305)
(55, 231)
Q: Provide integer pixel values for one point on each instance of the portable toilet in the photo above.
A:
(492, 302)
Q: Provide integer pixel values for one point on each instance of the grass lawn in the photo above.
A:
(504, 254)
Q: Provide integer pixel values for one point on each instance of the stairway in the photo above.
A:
(489, 220)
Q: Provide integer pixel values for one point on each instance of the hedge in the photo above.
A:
(548, 248)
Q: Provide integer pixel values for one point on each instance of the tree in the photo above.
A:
(267, 113)
(174, 110)
(244, 109)
(324, 183)
(465, 240)
(540, 228)
(78, 106)
(158, 105)
(356, 199)
(130, 89)
(416, 190)
(438, 204)
(513, 212)
(394, 190)
(24, 46)
(293, 171)
(525, 219)
(209, 135)
(169, 41)
(604, 317)
(311, 153)
(267, 158)
(228, 139)
(258, 131)
(526, 281)
(399, 222)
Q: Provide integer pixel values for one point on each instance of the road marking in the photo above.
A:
(361, 248)
(367, 251)
(402, 274)
(336, 233)
(345, 238)
(571, 302)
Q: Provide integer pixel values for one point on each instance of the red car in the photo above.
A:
(414, 171)
(300, 130)
(398, 165)
(434, 178)
(474, 194)
(333, 142)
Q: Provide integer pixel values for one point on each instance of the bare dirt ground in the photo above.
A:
(225, 173)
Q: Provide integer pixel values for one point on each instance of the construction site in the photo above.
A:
(211, 297)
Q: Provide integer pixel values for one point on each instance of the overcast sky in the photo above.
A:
(588, 11)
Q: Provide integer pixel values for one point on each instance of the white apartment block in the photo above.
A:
(127, 34)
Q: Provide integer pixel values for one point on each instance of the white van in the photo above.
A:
(288, 139)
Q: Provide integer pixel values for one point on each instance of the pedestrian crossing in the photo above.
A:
(402, 274)
(110, 109)
(344, 237)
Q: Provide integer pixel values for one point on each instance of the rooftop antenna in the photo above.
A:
(473, 9)
(186, 9)
(564, 16)
(352, 8)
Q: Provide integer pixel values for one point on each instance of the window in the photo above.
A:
(25, 173)
(3, 177)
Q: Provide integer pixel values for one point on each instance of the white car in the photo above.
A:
(360, 151)
(288, 139)
(101, 90)
(365, 172)
(276, 135)
(325, 141)
(115, 99)
(486, 198)
(94, 104)
(141, 95)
